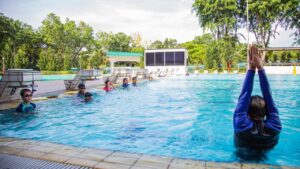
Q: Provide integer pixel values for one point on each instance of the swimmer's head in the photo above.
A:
(26, 95)
(257, 109)
(125, 80)
(88, 96)
(134, 80)
(107, 82)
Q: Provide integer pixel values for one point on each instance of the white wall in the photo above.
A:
(281, 69)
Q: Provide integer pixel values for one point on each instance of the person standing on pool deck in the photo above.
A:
(26, 106)
(256, 120)
(81, 90)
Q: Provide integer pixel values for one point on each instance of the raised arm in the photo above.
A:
(273, 120)
(241, 119)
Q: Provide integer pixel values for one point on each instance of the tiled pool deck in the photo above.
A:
(105, 159)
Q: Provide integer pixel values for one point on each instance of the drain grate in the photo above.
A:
(16, 162)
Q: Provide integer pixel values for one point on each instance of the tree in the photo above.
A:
(169, 43)
(157, 45)
(66, 40)
(220, 17)
(21, 60)
(265, 16)
(293, 22)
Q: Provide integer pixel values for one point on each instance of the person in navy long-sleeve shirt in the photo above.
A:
(256, 120)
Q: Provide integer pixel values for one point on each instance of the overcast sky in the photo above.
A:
(153, 19)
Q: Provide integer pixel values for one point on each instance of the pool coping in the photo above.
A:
(109, 159)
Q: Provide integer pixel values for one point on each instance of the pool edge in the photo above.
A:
(100, 158)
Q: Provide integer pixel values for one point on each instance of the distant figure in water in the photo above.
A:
(26, 106)
(88, 97)
(134, 81)
(125, 84)
(81, 90)
(108, 86)
(256, 120)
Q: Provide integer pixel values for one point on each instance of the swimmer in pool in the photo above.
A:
(26, 106)
(256, 119)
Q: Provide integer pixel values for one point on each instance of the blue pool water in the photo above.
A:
(187, 117)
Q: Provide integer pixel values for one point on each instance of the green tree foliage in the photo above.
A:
(265, 16)
(225, 17)
(157, 45)
(293, 22)
(220, 17)
(18, 40)
(114, 42)
(66, 40)
(168, 43)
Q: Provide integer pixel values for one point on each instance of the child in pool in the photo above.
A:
(88, 97)
(81, 90)
(125, 84)
(108, 86)
(26, 106)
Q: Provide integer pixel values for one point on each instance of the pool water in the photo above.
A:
(187, 117)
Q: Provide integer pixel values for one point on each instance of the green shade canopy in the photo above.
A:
(123, 54)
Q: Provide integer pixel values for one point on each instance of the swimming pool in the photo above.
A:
(187, 117)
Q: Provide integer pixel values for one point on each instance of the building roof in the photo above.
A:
(123, 54)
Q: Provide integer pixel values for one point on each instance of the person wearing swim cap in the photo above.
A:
(256, 119)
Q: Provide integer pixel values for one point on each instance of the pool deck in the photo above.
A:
(106, 159)
(52, 88)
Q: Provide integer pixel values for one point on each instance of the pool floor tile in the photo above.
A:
(31, 154)
(160, 159)
(82, 162)
(94, 156)
(120, 160)
(107, 165)
(211, 165)
(151, 164)
(70, 153)
(43, 149)
(259, 166)
(52, 145)
(139, 167)
(97, 151)
(55, 157)
(186, 164)
(10, 150)
(130, 155)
